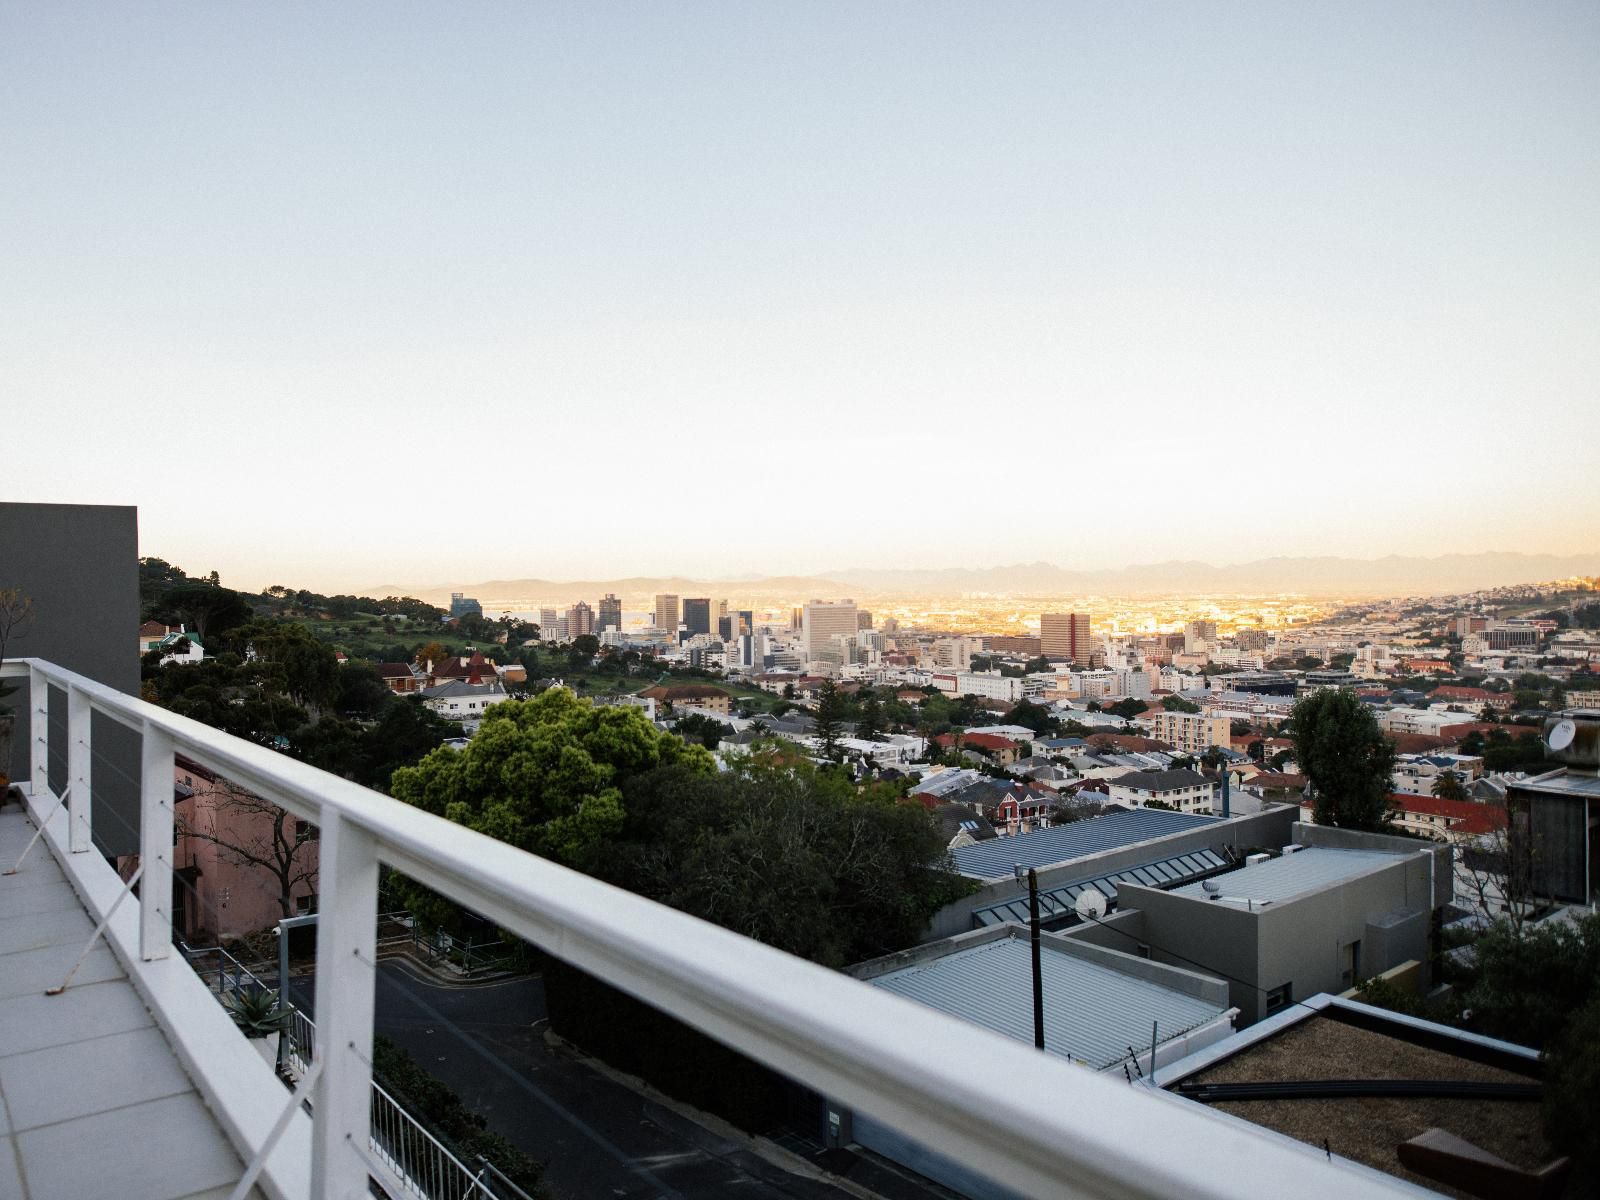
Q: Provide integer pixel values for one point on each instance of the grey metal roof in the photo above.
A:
(1561, 783)
(1045, 847)
(1059, 901)
(1280, 878)
(1091, 1013)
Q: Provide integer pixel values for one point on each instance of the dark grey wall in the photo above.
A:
(80, 565)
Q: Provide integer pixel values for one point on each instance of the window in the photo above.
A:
(1278, 998)
(305, 831)
(305, 904)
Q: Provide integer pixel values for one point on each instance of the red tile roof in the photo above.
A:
(977, 741)
(1462, 816)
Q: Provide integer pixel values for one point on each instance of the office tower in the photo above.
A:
(610, 616)
(667, 613)
(797, 620)
(697, 614)
(825, 620)
(1065, 635)
(725, 628)
(863, 619)
(580, 620)
(746, 622)
(547, 622)
(464, 606)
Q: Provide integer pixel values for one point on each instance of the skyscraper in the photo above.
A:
(667, 613)
(1065, 635)
(580, 620)
(697, 614)
(824, 621)
(610, 613)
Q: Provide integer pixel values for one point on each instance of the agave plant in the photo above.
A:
(258, 1013)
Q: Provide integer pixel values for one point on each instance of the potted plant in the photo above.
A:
(260, 1018)
(15, 609)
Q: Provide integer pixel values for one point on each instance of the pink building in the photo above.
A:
(237, 857)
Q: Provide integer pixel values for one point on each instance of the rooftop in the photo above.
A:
(93, 1100)
(1094, 835)
(1060, 901)
(1092, 1014)
(1292, 875)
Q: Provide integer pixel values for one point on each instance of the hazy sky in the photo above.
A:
(346, 293)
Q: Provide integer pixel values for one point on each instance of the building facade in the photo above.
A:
(1065, 635)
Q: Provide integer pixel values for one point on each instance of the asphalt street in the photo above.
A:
(596, 1137)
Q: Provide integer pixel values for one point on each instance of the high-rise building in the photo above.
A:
(863, 619)
(547, 624)
(697, 614)
(825, 620)
(746, 621)
(580, 620)
(667, 613)
(610, 616)
(1065, 635)
(462, 605)
(725, 627)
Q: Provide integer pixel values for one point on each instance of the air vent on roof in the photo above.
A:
(1292, 849)
(1251, 860)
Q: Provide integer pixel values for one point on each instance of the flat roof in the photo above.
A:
(1293, 874)
(1093, 835)
(1092, 1013)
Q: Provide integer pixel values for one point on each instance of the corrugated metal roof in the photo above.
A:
(1044, 847)
(1280, 878)
(1059, 901)
(1091, 1013)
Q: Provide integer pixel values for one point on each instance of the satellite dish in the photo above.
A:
(1561, 736)
(1090, 905)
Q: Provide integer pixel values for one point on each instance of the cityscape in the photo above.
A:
(842, 601)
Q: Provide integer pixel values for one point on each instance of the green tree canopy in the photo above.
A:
(779, 850)
(1344, 754)
(546, 774)
(1179, 704)
(1128, 708)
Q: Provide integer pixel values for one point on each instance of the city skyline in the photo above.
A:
(1166, 284)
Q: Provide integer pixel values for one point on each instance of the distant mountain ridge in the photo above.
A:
(1394, 575)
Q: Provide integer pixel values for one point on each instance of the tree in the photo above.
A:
(779, 850)
(1179, 704)
(15, 611)
(252, 832)
(869, 722)
(1447, 786)
(545, 775)
(204, 608)
(827, 728)
(704, 730)
(1128, 708)
(1032, 716)
(1572, 1087)
(431, 652)
(1346, 757)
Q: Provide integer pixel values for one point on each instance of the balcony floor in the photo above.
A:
(93, 1102)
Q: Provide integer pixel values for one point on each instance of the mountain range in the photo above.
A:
(1395, 575)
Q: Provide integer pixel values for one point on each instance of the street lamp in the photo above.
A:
(1030, 877)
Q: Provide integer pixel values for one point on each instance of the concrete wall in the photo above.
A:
(1300, 942)
(80, 565)
(1306, 834)
(1173, 978)
(1268, 829)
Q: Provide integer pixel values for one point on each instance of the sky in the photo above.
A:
(359, 293)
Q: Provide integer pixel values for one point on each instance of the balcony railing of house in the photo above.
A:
(1031, 1122)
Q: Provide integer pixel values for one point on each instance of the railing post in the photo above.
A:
(80, 719)
(346, 949)
(39, 732)
(156, 800)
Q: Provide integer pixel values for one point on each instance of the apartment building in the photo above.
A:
(823, 621)
(1065, 635)
(1190, 733)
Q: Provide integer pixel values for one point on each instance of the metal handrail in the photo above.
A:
(1030, 1122)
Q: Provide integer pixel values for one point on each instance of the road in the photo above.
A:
(596, 1137)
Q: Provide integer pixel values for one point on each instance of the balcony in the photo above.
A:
(1032, 1123)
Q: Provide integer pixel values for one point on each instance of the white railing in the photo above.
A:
(422, 1165)
(1030, 1122)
